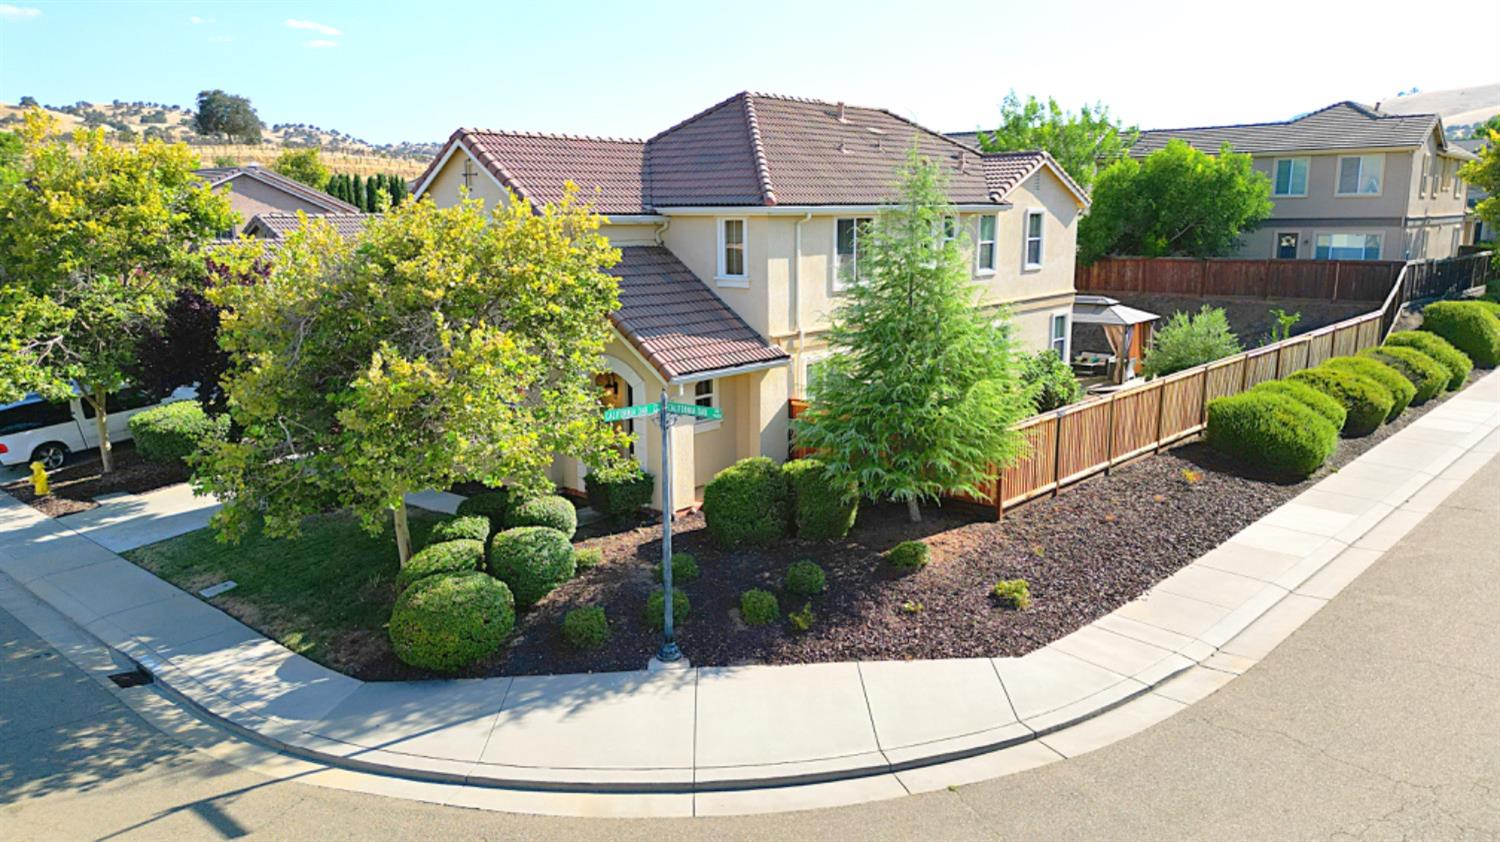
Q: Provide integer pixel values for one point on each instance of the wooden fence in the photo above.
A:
(1329, 280)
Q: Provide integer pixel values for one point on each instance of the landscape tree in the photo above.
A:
(443, 346)
(96, 241)
(919, 395)
(304, 165)
(227, 115)
(1178, 201)
(1083, 143)
(12, 152)
(1485, 174)
(357, 193)
(1482, 131)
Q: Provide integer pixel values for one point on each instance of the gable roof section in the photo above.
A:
(715, 157)
(276, 225)
(534, 166)
(1003, 171)
(676, 322)
(1343, 125)
(221, 175)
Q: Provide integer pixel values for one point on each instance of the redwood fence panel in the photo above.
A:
(1333, 280)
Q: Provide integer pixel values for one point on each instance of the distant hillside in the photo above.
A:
(1461, 108)
(135, 120)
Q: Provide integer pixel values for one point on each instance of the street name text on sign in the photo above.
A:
(637, 411)
(708, 412)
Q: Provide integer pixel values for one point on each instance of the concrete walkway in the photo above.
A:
(702, 741)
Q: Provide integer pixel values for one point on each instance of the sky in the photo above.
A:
(388, 72)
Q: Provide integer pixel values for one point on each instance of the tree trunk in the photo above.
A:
(912, 511)
(101, 422)
(403, 533)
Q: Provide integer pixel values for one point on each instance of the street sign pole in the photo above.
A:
(669, 653)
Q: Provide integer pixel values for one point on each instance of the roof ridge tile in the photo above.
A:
(758, 151)
(551, 135)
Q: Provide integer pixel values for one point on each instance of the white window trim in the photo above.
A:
(741, 281)
(1306, 177)
(979, 241)
(808, 360)
(1338, 172)
(1067, 314)
(836, 281)
(1422, 185)
(1316, 234)
(1041, 239)
(689, 394)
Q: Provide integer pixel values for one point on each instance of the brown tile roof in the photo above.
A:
(1004, 170)
(1343, 125)
(277, 224)
(607, 171)
(676, 322)
(218, 175)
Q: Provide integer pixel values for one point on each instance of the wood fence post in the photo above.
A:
(1203, 402)
(1335, 296)
(1161, 410)
(1109, 440)
(1265, 279)
(1202, 278)
(1057, 454)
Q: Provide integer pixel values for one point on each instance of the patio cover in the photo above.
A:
(1120, 327)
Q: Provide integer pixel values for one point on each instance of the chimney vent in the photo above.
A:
(843, 117)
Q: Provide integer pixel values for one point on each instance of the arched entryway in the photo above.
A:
(623, 387)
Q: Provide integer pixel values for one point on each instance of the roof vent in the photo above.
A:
(843, 114)
(843, 148)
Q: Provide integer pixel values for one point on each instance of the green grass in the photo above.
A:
(326, 594)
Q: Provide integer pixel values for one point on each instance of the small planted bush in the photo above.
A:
(821, 509)
(1426, 374)
(746, 504)
(1469, 326)
(1401, 389)
(1185, 341)
(494, 505)
(804, 578)
(460, 555)
(1455, 361)
(655, 613)
(684, 568)
(1012, 593)
(758, 607)
(1050, 380)
(445, 623)
(802, 620)
(551, 511)
(532, 560)
(908, 555)
(619, 499)
(585, 559)
(585, 628)
(1269, 431)
(1366, 403)
(469, 527)
(1309, 397)
(168, 435)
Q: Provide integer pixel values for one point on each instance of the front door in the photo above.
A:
(617, 394)
(1286, 246)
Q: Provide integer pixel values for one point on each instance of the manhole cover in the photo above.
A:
(133, 678)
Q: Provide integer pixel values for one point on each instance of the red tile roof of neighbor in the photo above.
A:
(218, 175)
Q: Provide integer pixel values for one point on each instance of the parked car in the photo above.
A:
(37, 430)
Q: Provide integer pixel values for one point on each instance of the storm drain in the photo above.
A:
(132, 678)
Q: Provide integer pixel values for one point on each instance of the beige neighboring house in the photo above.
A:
(255, 190)
(739, 228)
(1349, 182)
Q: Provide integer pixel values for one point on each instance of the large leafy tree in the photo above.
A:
(1485, 174)
(443, 346)
(225, 114)
(1178, 201)
(920, 394)
(94, 241)
(1083, 143)
(304, 165)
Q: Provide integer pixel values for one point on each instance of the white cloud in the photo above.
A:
(9, 11)
(195, 20)
(312, 25)
(319, 44)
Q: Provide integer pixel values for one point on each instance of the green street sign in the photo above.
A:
(636, 411)
(694, 410)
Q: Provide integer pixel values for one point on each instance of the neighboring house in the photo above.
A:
(1349, 182)
(277, 224)
(739, 228)
(255, 190)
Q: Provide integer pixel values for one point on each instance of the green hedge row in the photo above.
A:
(168, 435)
(1471, 326)
(755, 503)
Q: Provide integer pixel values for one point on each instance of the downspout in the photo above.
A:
(661, 231)
(797, 301)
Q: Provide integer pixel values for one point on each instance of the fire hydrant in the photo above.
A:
(39, 479)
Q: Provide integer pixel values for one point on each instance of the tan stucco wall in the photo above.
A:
(248, 197)
(1322, 201)
(447, 185)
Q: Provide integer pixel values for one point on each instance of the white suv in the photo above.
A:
(34, 430)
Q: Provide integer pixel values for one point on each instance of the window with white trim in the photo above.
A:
(1457, 241)
(1360, 175)
(1291, 177)
(847, 235)
(985, 251)
(732, 249)
(950, 228)
(1422, 185)
(1059, 338)
(812, 375)
(1033, 243)
(706, 393)
(1458, 183)
(1449, 168)
(1347, 247)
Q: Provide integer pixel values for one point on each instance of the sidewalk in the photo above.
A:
(706, 739)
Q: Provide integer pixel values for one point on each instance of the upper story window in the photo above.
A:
(1422, 185)
(847, 235)
(1361, 175)
(1291, 177)
(732, 251)
(1449, 170)
(985, 252)
(1458, 183)
(1033, 239)
(1347, 247)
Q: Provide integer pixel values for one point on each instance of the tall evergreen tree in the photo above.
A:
(372, 187)
(358, 199)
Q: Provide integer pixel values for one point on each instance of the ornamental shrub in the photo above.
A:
(455, 556)
(1469, 325)
(801, 621)
(468, 527)
(1308, 396)
(448, 622)
(619, 499)
(1427, 375)
(586, 628)
(1185, 341)
(494, 504)
(804, 578)
(532, 560)
(1012, 593)
(758, 607)
(821, 508)
(168, 435)
(551, 511)
(1271, 431)
(1049, 380)
(654, 612)
(1455, 361)
(1401, 389)
(746, 504)
(908, 555)
(586, 559)
(684, 568)
(1366, 402)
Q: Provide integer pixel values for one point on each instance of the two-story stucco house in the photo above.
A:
(254, 190)
(739, 228)
(1349, 182)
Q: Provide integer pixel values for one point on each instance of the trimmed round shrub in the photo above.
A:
(908, 555)
(1426, 374)
(445, 623)
(1012, 593)
(168, 435)
(469, 527)
(1273, 432)
(1308, 396)
(532, 560)
(746, 504)
(1401, 389)
(655, 611)
(460, 555)
(619, 499)
(1469, 326)
(1366, 403)
(684, 568)
(493, 504)
(586, 559)
(551, 511)
(820, 509)
(585, 628)
(1455, 361)
(758, 607)
(804, 578)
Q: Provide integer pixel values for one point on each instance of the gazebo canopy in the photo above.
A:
(1103, 310)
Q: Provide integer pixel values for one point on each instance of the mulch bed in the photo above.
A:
(76, 484)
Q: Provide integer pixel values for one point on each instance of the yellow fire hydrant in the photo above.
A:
(39, 479)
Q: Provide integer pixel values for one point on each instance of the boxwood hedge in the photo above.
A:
(622, 498)
(1271, 431)
(551, 511)
(746, 504)
(821, 510)
(471, 527)
(1312, 398)
(168, 435)
(1366, 402)
(448, 622)
(1426, 374)
(494, 504)
(1469, 325)
(455, 556)
(1455, 361)
(532, 560)
(1401, 389)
